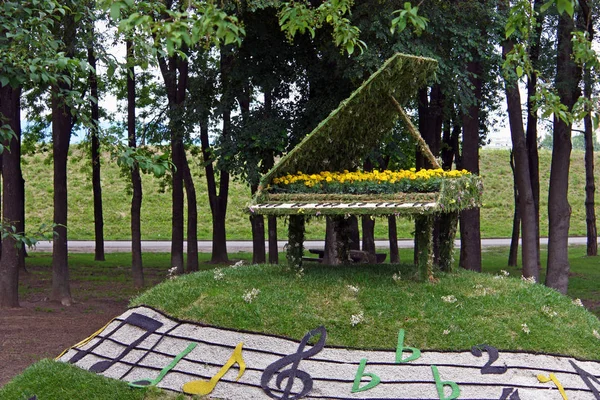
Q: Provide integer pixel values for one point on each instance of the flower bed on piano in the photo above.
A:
(374, 193)
(364, 183)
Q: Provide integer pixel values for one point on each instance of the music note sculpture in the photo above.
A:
(153, 382)
(141, 321)
(204, 387)
(293, 372)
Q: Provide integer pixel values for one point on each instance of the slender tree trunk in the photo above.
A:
(393, 236)
(175, 75)
(95, 154)
(258, 235)
(522, 175)
(192, 221)
(470, 234)
(12, 198)
(61, 135)
(513, 253)
(590, 187)
(137, 269)
(354, 233)
(532, 120)
(273, 247)
(219, 244)
(559, 210)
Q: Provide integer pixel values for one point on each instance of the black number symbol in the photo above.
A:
(493, 357)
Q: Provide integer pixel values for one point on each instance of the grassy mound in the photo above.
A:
(365, 306)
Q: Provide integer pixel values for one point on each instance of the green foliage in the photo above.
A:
(45, 232)
(196, 22)
(409, 15)
(149, 163)
(298, 17)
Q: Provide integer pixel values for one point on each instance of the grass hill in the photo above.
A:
(496, 213)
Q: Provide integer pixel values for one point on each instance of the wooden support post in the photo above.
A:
(424, 243)
(423, 147)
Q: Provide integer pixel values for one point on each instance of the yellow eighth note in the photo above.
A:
(203, 387)
(553, 378)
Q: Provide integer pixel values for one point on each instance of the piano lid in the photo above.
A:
(360, 122)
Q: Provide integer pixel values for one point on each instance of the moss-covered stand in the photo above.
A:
(343, 140)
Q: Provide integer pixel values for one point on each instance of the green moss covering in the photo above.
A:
(360, 122)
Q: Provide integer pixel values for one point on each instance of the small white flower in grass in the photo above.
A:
(218, 274)
(596, 334)
(238, 264)
(357, 319)
(504, 272)
(172, 273)
(446, 332)
(397, 277)
(531, 279)
(299, 272)
(353, 289)
(251, 295)
(549, 312)
(578, 302)
(449, 299)
(525, 328)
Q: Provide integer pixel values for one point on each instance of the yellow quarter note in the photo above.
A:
(205, 387)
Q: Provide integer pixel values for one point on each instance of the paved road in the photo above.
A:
(205, 246)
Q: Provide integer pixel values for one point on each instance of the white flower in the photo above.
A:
(172, 273)
(596, 334)
(525, 328)
(449, 299)
(531, 279)
(357, 319)
(397, 277)
(353, 289)
(238, 264)
(578, 302)
(504, 273)
(548, 311)
(446, 332)
(218, 274)
(299, 272)
(251, 295)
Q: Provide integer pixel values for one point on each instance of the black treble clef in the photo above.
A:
(293, 372)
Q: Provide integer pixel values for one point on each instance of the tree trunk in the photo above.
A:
(61, 135)
(273, 247)
(393, 237)
(95, 154)
(354, 233)
(218, 207)
(513, 253)
(258, 235)
(470, 235)
(192, 220)
(368, 235)
(337, 243)
(590, 187)
(559, 210)
(532, 120)
(175, 75)
(137, 269)
(12, 198)
(522, 176)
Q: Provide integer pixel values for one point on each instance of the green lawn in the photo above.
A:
(460, 310)
(496, 213)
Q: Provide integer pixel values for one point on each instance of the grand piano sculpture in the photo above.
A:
(303, 184)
